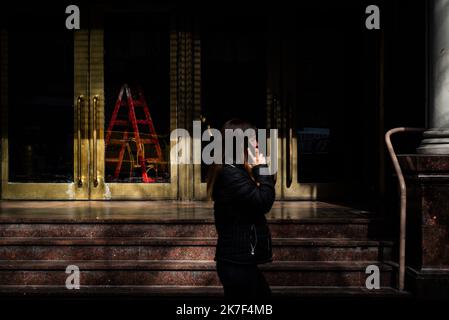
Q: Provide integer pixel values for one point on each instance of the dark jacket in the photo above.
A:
(240, 205)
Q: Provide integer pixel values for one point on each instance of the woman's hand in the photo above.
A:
(255, 159)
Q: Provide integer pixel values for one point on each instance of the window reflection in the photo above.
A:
(137, 54)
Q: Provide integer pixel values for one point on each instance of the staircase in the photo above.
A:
(315, 255)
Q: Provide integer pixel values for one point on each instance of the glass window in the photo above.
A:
(40, 103)
(233, 72)
(137, 52)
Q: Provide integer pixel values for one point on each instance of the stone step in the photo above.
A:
(202, 292)
(185, 248)
(190, 273)
(282, 228)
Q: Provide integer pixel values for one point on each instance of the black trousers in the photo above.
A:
(242, 281)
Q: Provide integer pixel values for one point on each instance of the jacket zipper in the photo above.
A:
(253, 248)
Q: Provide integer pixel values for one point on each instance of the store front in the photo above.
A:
(88, 114)
(66, 136)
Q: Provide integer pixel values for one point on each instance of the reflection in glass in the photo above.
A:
(322, 105)
(234, 72)
(137, 133)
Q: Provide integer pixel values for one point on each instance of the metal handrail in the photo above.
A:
(403, 197)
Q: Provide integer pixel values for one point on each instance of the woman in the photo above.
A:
(242, 197)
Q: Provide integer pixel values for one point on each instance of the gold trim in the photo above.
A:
(97, 189)
(41, 191)
(142, 191)
(199, 188)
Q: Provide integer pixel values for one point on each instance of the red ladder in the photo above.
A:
(132, 125)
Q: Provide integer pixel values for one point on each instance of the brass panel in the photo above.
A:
(136, 191)
(199, 188)
(278, 178)
(41, 191)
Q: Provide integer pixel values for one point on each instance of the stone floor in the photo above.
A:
(166, 249)
(162, 210)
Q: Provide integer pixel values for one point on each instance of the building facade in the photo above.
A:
(87, 113)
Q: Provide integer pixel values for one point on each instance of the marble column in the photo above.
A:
(436, 138)
(427, 173)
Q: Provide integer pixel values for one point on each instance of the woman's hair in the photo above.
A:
(215, 168)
